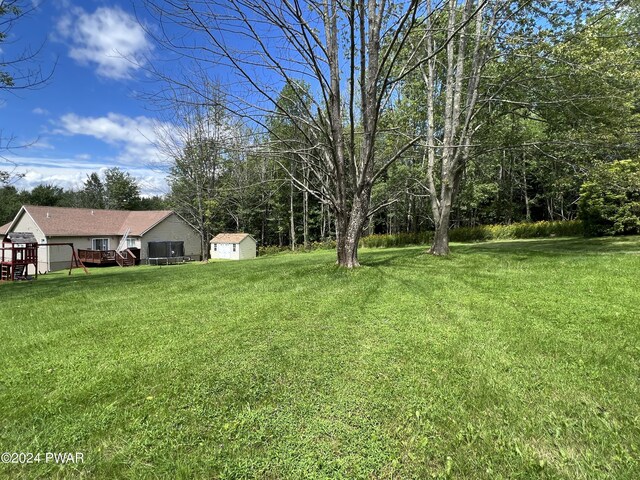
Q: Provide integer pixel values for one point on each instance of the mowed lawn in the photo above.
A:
(512, 359)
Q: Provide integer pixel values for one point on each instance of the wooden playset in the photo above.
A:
(20, 251)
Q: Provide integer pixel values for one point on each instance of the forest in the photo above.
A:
(358, 118)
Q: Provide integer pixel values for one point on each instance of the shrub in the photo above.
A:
(610, 200)
(396, 239)
(570, 228)
(275, 249)
(326, 245)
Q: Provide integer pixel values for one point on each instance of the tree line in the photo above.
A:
(340, 119)
(112, 189)
(374, 116)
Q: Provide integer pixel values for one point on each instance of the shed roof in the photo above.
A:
(73, 222)
(230, 237)
(4, 228)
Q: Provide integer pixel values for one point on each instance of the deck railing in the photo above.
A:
(124, 258)
(97, 256)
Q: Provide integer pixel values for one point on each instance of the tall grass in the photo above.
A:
(571, 228)
(396, 239)
(544, 229)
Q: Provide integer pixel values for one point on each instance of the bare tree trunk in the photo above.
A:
(305, 209)
(322, 224)
(525, 190)
(457, 93)
(352, 53)
(351, 229)
(292, 225)
(441, 236)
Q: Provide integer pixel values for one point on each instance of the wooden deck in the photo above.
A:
(126, 258)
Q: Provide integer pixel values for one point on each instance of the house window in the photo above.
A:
(131, 242)
(234, 247)
(215, 247)
(100, 244)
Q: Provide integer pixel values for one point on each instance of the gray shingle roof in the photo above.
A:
(59, 221)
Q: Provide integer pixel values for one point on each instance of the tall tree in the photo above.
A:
(47, 195)
(93, 192)
(121, 192)
(295, 99)
(481, 56)
(196, 145)
(352, 83)
(10, 202)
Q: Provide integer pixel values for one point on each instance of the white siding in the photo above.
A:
(26, 224)
(225, 251)
(244, 250)
(172, 229)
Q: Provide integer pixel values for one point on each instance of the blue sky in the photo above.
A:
(88, 117)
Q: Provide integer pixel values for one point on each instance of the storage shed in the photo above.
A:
(233, 246)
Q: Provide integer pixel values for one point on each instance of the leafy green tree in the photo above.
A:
(153, 203)
(610, 200)
(93, 192)
(547, 110)
(10, 202)
(47, 195)
(289, 139)
(121, 191)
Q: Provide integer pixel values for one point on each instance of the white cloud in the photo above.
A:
(109, 38)
(70, 173)
(40, 111)
(135, 136)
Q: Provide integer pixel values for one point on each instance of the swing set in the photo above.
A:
(20, 250)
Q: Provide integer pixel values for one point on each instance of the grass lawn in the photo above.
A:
(515, 359)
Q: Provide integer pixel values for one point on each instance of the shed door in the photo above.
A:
(225, 250)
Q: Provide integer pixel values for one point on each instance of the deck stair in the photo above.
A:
(125, 258)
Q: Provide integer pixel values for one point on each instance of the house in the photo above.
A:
(233, 246)
(150, 234)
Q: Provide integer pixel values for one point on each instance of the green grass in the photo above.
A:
(517, 359)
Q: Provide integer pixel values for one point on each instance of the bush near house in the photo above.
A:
(610, 201)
